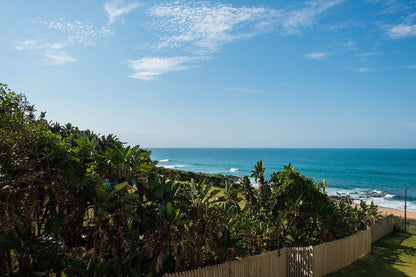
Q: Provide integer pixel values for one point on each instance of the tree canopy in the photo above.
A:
(77, 203)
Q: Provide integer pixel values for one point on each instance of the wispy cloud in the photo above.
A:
(316, 55)
(205, 26)
(363, 69)
(368, 54)
(151, 68)
(52, 52)
(197, 28)
(58, 58)
(410, 124)
(351, 45)
(32, 44)
(200, 28)
(28, 44)
(70, 33)
(76, 32)
(293, 20)
(345, 25)
(245, 90)
(116, 9)
(411, 66)
(402, 31)
(393, 6)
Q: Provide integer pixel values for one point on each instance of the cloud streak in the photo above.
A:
(52, 52)
(402, 31)
(293, 20)
(410, 124)
(71, 33)
(58, 58)
(245, 90)
(363, 69)
(147, 69)
(368, 54)
(76, 32)
(117, 9)
(31, 44)
(316, 55)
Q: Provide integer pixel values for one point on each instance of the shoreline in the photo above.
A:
(387, 211)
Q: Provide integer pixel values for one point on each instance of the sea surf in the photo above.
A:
(378, 175)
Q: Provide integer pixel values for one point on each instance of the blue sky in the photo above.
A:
(320, 73)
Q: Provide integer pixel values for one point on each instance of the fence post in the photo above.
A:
(405, 208)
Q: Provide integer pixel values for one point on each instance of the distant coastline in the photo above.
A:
(378, 175)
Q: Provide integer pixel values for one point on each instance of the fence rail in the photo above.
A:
(318, 260)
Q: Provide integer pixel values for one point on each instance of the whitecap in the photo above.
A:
(380, 198)
(163, 161)
(389, 203)
(173, 166)
(234, 169)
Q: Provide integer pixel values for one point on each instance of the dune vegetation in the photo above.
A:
(76, 203)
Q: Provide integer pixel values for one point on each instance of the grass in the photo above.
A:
(395, 255)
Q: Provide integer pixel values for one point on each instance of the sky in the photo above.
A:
(319, 73)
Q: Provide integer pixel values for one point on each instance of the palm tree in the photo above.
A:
(248, 191)
(67, 130)
(231, 193)
(110, 141)
(258, 174)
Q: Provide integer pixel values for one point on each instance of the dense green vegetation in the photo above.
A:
(76, 203)
(217, 180)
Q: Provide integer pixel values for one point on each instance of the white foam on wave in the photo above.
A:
(379, 197)
(389, 203)
(163, 161)
(338, 191)
(234, 169)
(174, 166)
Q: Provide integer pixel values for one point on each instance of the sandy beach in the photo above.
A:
(395, 212)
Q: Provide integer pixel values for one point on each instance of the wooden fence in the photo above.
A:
(269, 264)
(332, 256)
(382, 228)
(300, 261)
(318, 260)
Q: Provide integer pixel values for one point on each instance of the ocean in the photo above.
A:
(378, 175)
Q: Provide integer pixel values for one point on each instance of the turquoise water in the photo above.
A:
(378, 175)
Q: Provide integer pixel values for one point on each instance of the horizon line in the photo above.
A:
(335, 148)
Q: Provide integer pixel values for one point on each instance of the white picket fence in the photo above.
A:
(316, 261)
